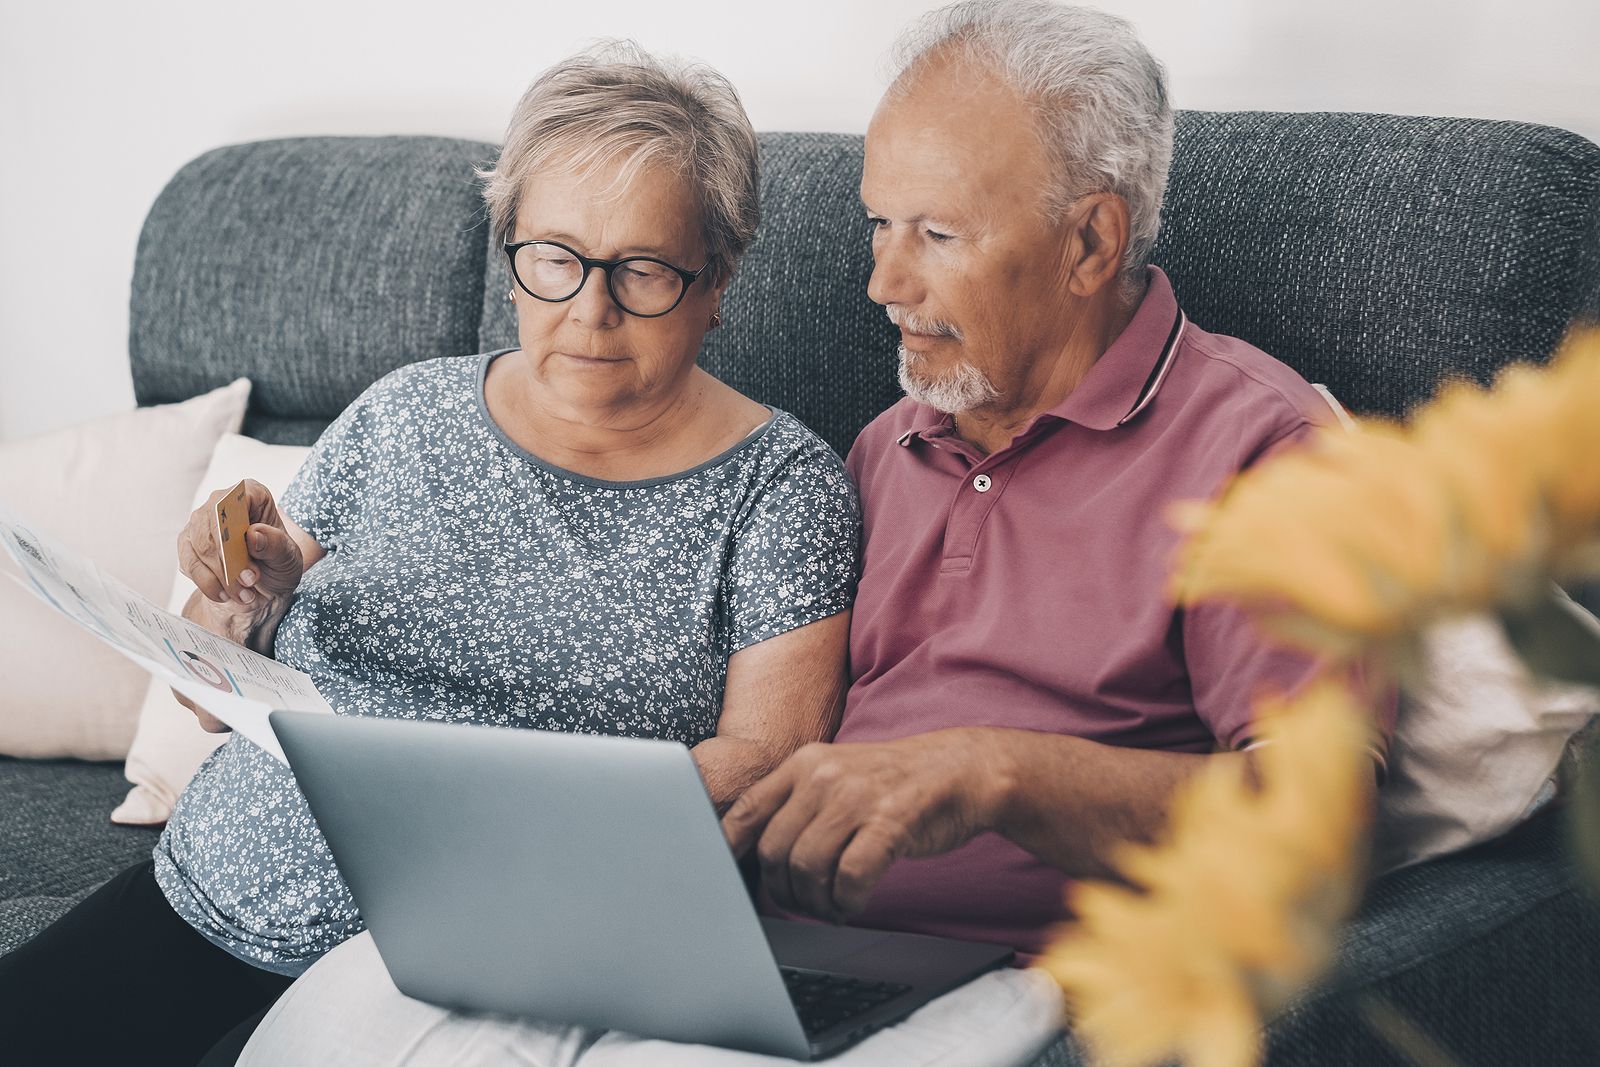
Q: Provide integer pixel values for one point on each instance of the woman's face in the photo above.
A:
(597, 363)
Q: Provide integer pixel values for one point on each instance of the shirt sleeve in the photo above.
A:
(796, 555)
(324, 497)
(1232, 663)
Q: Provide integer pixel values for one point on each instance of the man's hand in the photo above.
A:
(832, 818)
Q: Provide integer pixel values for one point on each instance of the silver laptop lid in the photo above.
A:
(576, 878)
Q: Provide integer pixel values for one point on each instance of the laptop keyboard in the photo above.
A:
(823, 1000)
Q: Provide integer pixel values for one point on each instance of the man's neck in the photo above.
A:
(992, 427)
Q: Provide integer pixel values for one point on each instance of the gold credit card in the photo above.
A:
(233, 522)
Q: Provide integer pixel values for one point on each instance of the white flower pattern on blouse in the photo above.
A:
(468, 581)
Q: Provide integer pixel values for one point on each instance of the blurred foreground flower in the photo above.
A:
(1236, 909)
(1361, 541)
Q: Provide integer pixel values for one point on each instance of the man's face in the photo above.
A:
(966, 262)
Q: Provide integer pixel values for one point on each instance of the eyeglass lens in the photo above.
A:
(642, 286)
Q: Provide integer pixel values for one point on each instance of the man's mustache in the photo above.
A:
(910, 320)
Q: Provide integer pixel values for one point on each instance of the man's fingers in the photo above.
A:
(862, 865)
(743, 822)
(814, 858)
(777, 837)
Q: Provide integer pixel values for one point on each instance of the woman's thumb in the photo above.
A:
(271, 547)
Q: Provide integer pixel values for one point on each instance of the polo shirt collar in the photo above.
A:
(1128, 373)
(1122, 380)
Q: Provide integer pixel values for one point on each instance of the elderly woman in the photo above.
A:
(586, 532)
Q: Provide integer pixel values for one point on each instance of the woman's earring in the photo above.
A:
(511, 295)
(716, 318)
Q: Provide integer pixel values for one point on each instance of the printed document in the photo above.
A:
(233, 683)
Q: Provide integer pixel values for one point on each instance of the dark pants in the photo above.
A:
(122, 979)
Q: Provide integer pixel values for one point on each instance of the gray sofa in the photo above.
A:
(1374, 253)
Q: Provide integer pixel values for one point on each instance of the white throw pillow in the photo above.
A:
(1475, 748)
(170, 744)
(117, 490)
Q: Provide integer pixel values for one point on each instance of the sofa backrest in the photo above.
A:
(1374, 253)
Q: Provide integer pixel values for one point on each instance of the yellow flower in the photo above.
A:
(1362, 540)
(1235, 910)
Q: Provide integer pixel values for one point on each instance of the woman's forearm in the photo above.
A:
(781, 694)
(730, 765)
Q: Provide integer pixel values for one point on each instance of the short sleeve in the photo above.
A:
(796, 554)
(325, 496)
(1232, 663)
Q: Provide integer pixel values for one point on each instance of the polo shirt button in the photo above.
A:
(981, 483)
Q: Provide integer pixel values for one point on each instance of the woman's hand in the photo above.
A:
(276, 562)
(248, 609)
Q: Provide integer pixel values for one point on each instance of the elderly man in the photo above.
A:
(1023, 693)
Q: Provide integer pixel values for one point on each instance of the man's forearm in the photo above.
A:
(1070, 801)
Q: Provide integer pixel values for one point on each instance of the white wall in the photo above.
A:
(102, 102)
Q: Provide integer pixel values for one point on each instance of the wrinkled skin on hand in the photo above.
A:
(261, 591)
(829, 822)
(276, 561)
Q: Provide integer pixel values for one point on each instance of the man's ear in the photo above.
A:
(1099, 224)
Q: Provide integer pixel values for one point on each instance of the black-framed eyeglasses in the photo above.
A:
(641, 285)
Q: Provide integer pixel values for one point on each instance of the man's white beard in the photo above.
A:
(961, 390)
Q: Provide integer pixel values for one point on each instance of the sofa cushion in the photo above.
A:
(1493, 953)
(116, 490)
(1346, 245)
(313, 266)
(1351, 247)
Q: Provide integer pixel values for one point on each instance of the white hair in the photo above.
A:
(960, 390)
(1098, 97)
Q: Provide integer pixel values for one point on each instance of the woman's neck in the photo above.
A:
(679, 430)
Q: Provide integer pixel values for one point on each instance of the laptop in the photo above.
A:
(585, 880)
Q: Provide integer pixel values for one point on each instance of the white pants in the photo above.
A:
(346, 1010)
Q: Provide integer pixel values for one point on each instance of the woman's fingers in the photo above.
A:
(208, 722)
(262, 507)
(275, 558)
(205, 574)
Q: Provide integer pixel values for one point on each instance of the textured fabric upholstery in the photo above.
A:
(1375, 253)
(313, 266)
(1494, 953)
(1347, 245)
(797, 328)
(56, 843)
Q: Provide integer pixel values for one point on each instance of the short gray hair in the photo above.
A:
(616, 102)
(1098, 96)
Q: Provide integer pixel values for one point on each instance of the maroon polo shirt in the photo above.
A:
(1027, 588)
